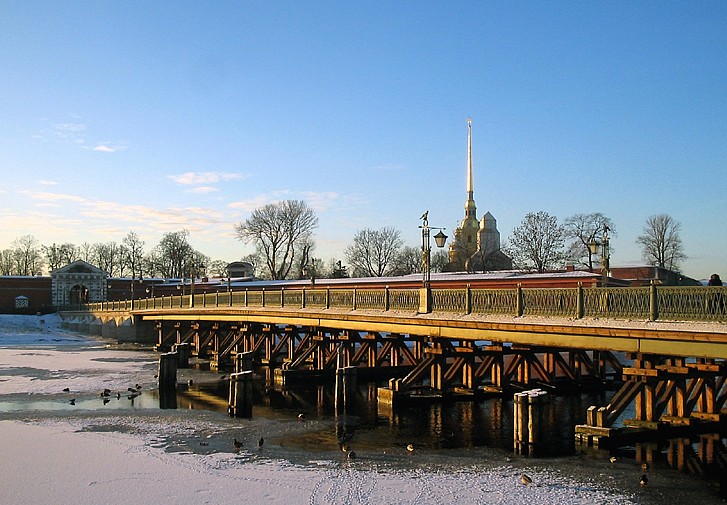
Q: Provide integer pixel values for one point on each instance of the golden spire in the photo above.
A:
(470, 189)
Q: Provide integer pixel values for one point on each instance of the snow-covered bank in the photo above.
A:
(45, 330)
(52, 463)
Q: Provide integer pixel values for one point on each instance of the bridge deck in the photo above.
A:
(688, 339)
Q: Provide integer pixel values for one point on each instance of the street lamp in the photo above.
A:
(310, 271)
(593, 247)
(425, 295)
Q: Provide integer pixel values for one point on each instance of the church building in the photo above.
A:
(476, 244)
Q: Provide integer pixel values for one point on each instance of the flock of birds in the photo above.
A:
(106, 394)
(525, 479)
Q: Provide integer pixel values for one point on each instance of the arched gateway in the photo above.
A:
(78, 282)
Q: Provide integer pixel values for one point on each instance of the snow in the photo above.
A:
(90, 458)
(52, 462)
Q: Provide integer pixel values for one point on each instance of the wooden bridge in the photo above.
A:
(666, 347)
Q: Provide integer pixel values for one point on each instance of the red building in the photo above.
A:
(25, 295)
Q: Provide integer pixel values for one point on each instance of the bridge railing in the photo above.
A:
(645, 303)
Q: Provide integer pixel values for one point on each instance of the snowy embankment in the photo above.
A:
(21, 330)
(53, 463)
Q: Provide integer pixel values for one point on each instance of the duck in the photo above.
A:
(643, 481)
(526, 480)
(236, 443)
(260, 443)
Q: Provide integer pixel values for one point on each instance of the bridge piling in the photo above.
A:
(167, 374)
(240, 399)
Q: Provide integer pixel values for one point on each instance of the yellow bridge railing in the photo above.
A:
(643, 303)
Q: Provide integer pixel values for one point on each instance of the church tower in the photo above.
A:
(476, 244)
(464, 244)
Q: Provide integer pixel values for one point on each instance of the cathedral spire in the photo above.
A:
(470, 186)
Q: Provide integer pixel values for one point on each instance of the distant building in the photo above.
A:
(476, 243)
(240, 269)
(78, 282)
(643, 275)
(25, 294)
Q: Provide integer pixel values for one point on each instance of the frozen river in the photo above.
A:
(66, 443)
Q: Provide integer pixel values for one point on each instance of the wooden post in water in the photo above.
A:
(240, 402)
(527, 419)
(345, 388)
(167, 375)
(184, 351)
(243, 362)
(168, 371)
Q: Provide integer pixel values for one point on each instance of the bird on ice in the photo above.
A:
(410, 447)
(526, 480)
(643, 481)
(260, 443)
(236, 443)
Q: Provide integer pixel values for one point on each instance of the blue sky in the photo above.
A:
(161, 116)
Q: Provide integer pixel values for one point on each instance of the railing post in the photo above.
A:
(328, 298)
(653, 302)
(579, 302)
(519, 300)
(282, 297)
(468, 300)
(262, 299)
(302, 299)
(245, 297)
(386, 298)
(354, 299)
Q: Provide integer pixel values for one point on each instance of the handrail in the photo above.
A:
(670, 303)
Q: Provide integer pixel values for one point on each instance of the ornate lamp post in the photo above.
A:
(310, 271)
(425, 294)
(594, 245)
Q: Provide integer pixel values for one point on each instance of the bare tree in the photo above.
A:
(660, 243)
(408, 261)
(28, 256)
(279, 231)
(304, 262)
(134, 254)
(584, 229)
(109, 257)
(7, 262)
(537, 244)
(85, 252)
(373, 252)
(61, 255)
(439, 261)
(172, 257)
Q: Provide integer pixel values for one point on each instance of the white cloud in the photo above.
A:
(199, 178)
(70, 127)
(203, 190)
(104, 149)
